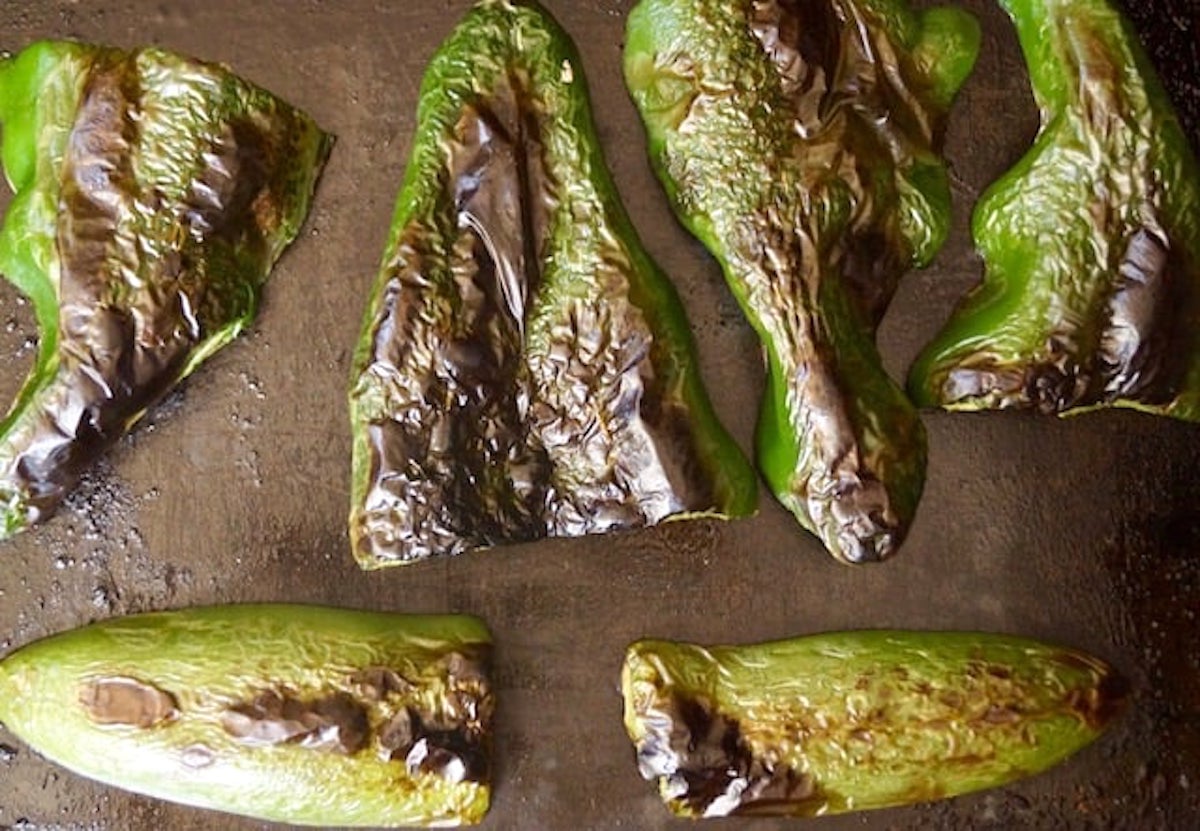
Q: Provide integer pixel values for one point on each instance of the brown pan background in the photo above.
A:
(1084, 532)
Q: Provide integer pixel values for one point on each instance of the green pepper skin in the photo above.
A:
(798, 142)
(853, 721)
(152, 195)
(1091, 243)
(525, 370)
(297, 714)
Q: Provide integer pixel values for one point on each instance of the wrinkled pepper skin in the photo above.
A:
(297, 714)
(798, 141)
(152, 195)
(525, 370)
(1091, 243)
(853, 721)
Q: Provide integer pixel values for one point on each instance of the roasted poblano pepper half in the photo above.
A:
(525, 370)
(1091, 243)
(152, 195)
(296, 714)
(798, 141)
(856, 720)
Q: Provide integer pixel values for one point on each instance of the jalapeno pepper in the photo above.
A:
(1091, 243)
(152, 195)
(525, 370)
(296, 714)
(798, 141)
(856, 720)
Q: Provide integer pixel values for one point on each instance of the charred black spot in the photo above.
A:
(990, 380)
(719, 774)
(230, 198)
(1055, 386)
(335, 723)
(831, 68)
(1146, 314)
(1108, 701)
(377, 683)
(800, 36)
(454, 752)
(451, 742)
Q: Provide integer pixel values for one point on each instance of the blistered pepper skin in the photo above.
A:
(152, 195)
(852, 721)
(798, 141)
(525, 370)
(1091, 243)
(297, 714)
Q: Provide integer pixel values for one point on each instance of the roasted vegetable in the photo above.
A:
(856, 720)
(1091, 243)
(296, 714)
(525, 370)
(152, 196)
(798, 141)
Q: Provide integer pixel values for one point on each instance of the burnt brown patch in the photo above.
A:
(1099, 704)
(127, 702)
(714, 771)
(335, 723)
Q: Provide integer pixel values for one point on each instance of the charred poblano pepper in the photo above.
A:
(525, 370)
(856, 720)
(152, 195)
(798, 141)
(1091, 243)
(296, 714)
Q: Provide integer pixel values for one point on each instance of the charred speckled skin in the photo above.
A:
(153, 194)
(1091, 243)
(856, 720)
(525, 370)
(797, 139)
(294, 714)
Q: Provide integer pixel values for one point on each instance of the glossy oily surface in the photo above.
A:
(799, 141)
(296, 714)
(1091, 242)
(525, 370)
(1080, 532)
(153, 195)
(854, 721)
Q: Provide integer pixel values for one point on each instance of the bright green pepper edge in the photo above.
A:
(40, 90)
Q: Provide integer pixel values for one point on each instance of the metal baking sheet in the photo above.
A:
(1085, 531)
